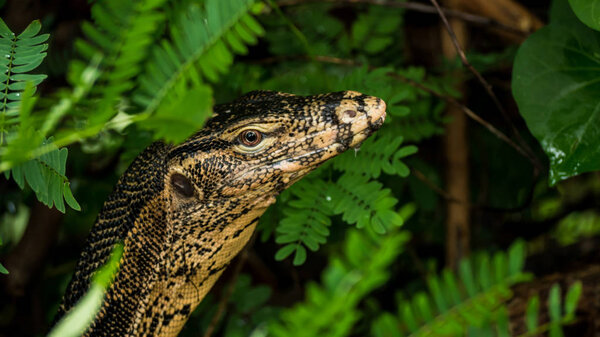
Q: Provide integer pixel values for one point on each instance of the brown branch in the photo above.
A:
(456, 153)
(488, 88)
(419, 7)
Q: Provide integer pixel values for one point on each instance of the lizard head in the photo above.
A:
(260, 144)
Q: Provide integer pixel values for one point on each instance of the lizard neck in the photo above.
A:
(186, 272)
(163, 277)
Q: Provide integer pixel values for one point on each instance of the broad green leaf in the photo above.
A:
(588, 11)
(3, 270)
(556, 81)
(561, 10)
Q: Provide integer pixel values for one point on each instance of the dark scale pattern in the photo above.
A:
(184, 212)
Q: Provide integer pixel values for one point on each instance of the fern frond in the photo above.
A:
(456, 304)
(375, 30)
(363, 202)
(561, 311)
(122, 33)
(307, 215)
(423, 119)
(46, 177)
(377, 154)
(200, 46)
(25, 141)
(45, 172)
(20, 54)
(422, 116)
(576, 226)
(362, 267)
(306, 220)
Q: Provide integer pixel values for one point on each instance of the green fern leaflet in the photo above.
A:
(200, 46)
(20, 54)
(45, 174)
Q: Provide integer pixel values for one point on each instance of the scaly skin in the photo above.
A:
(183, 212)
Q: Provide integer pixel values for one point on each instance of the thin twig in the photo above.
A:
(227, 294)
(419, 7)
(528, 152)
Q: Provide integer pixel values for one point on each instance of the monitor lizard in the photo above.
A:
(183, 212)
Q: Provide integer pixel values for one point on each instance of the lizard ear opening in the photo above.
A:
(182, 185)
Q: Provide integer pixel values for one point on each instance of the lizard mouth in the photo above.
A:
(360, 136)
(360, 130)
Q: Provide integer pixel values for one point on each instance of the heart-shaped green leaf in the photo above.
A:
(588, 11)
(556, 83)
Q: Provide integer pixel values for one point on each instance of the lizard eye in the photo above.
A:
(182, 185)
(250, 137)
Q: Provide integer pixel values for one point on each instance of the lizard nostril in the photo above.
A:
(350, 113)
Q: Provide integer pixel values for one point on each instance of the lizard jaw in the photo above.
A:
(360, 131)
